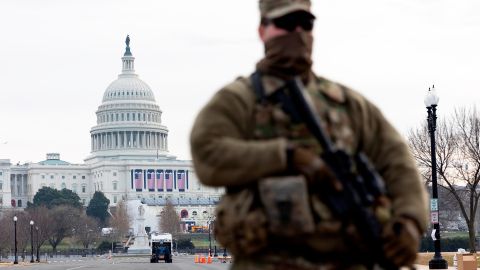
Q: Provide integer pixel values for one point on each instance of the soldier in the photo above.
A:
(249, 142)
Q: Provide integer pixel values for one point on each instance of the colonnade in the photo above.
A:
(18, 184)
(129, 139)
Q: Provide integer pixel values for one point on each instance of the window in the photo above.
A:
(84, 189)
(63, 185)
(115, 185)
(43, 176)
(63, 176)
(1, 173)
(194, 213)
(1, 185)
(1, 199)
(74, 177)
(51, 176)
(114, 173)
(114, 199)
(83, 176)
(83, 201)
(74, 188)
(19, 204)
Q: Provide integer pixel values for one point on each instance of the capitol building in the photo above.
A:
(129, 159)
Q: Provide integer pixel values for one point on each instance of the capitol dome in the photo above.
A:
(128, 88)
(129, 121)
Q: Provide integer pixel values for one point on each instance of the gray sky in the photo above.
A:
(58, 57)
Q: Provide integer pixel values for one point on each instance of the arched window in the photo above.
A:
(194, 213)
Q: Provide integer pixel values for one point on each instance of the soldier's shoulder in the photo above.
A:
(339, 92)
(241, 88)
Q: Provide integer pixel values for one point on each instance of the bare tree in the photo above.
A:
(6, 231)
(87, 230)
(120, 221)
(42, 217)
(458, 160)
(169, 219)
(64, 221)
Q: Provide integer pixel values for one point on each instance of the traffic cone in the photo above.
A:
(209, 259)
(202, 259)
(195, 260)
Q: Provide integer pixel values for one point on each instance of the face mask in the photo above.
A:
(288, 56)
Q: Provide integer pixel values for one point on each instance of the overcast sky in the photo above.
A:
(58, 57)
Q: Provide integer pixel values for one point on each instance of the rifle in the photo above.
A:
(361, 182)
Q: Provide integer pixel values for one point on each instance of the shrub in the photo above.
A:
(450, 244)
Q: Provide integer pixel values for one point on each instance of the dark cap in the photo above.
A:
(272, 9)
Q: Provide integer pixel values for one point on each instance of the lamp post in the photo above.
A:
(209, 239)
(215, 254)
(31, 239)
(431, 101)
(38, 245)
(15, 225)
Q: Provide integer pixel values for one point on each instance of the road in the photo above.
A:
(118, 263)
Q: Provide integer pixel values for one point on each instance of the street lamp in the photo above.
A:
(215, 254)
(31, 239)
(431, 101)
(38, 245)
(15, 225)
(209, 238)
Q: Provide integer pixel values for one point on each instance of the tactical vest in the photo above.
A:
(241, 225)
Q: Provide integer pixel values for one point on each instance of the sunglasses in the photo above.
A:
(291, 21)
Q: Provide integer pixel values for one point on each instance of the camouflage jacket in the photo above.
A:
(226, 152)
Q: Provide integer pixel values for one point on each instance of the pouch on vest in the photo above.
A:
(240, 225)
(285, 201)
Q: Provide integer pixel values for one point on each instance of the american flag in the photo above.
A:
(150, 181)
(138, 181)
(169, 181)
(181, 181)
(159, 181)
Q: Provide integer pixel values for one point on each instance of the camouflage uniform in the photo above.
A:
(237, 140)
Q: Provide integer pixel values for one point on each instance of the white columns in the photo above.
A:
(138, 139)
(144, 136)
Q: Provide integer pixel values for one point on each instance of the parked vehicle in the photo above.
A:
(161, 244)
